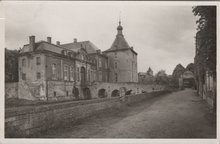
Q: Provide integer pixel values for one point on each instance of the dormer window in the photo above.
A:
(64, 52)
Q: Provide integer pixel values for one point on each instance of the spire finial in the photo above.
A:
(120, 28)
(120, 18)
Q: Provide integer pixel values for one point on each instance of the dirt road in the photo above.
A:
(177, 115)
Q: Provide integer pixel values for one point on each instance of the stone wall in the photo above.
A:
(11, 90)
(32, 90)
(29, 121)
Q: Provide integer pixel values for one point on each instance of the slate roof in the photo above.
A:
(120, 43)
(75, 46)
(43, 45)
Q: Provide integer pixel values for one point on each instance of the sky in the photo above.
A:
(162, 35)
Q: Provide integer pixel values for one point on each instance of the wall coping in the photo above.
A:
(15, 111)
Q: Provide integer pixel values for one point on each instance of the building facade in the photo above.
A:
(50, 71)
(58, 71)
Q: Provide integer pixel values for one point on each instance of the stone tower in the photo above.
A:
(122, 59)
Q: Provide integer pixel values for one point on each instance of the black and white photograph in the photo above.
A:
(109, 70)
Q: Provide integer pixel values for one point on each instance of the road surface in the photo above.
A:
(179, 114)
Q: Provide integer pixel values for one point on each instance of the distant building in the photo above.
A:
(146, 77)
(187, 80)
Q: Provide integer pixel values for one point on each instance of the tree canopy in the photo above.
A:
(205, 39)
(190, 67)
(11, 65)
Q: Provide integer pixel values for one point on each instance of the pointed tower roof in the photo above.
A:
(119, 43)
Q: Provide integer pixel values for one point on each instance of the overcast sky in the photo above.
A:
(163, 36)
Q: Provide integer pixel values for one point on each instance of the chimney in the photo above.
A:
(75, 40)
(132, 47)
(49, 39)
(31, 42)
(58, 42)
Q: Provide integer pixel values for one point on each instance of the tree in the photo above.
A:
(11, 65)
(205, 59)
(161, 77)
(205, 39)
(190, 67)
(178, 71)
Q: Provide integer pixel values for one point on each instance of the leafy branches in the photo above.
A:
(205, 58)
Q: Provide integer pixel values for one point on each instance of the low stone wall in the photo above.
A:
(28, 121)
(11, 90)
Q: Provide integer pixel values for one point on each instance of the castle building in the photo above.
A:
(50, 71)
(122, 59)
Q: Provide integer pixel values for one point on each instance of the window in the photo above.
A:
(106, 65)
(24, 62)
(91, 75)
(100, 62)
(54, 71)
(88, 75)
(38, 75)
(66, 74)
(38, 61)
(23, 76)
(115, 54)
(67, 93)
(78, 73)
(116, 77)
(54, 93)
(100, 75)
(116, 65)
(72, 73)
